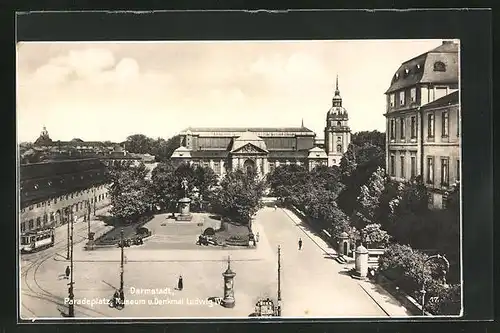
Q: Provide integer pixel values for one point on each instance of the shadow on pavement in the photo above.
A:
(346, 272)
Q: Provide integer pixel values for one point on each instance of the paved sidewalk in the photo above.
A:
(380, 296)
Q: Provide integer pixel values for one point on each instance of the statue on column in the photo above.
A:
(184, 185)
(184, 213)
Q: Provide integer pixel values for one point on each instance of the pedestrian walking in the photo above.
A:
(257, 236)
(275, 207)
(300, 243)
(68, 271)
(180, 283)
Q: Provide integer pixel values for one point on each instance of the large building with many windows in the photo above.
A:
(423, 121)
(50, 191)
(263, 149)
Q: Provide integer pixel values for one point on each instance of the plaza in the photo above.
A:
(312, 284)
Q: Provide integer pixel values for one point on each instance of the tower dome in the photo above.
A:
(337, 110)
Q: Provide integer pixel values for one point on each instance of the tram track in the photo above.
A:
(34, 288)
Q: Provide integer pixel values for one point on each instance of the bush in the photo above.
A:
(446, 300)
(406, 268)
(374, 236)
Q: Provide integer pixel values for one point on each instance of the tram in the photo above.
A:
(33, 241)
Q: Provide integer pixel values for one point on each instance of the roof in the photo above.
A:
(450, 99)
(210, 153)
(317, 152)
(57, 178)
(248, 138)
(288, 154)
(242, 130)
(181, 152)
(420, 69)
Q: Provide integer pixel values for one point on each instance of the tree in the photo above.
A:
(328, 178)
(162, 149)
(205, 179)
(348, 164)
(369, 199)
(374, 237)
(238, 196)
(139, 144)
(164, 185)
(372, 137)
(129, 192)
(283, 179)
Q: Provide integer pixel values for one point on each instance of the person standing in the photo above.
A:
(300, 243)
(180, 283)
(68, 271)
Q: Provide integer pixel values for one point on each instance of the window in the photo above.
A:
(52, 217)
(339, 139)
(339, 148)
(430, 170)
(38, 222)
(413, 166)
(23, 226)
(430, 125)
(445, 177)
(339, 123)
(402, 97)
(393, 129)
(392, 165)
(413, 95)
(439, 66)
(402, 166)
(30, 224)
(444, 124)
(458, 170)
(402, 128)
(391, 100)
(55, 200)
(37, 205)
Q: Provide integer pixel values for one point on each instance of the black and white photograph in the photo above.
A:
(239, 179)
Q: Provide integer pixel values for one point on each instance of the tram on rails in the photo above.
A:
(33, 241)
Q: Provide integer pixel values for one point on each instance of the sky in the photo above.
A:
(108, 91)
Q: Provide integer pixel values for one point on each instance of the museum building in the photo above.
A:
(423, 121)
(263, 149)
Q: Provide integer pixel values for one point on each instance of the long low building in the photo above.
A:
(48, 191)
(261, 150)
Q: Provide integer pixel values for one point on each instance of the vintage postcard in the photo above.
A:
(237, 179)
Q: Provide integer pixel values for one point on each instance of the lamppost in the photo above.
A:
(67, 213)
(445, 271)
(122, 245)
(71, 308)
(279, 282)
(88, 218)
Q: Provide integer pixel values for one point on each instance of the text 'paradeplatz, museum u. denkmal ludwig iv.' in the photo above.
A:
(262, 149)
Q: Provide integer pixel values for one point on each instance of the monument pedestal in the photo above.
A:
(184, 213)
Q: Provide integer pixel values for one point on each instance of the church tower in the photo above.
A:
(337, 131)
